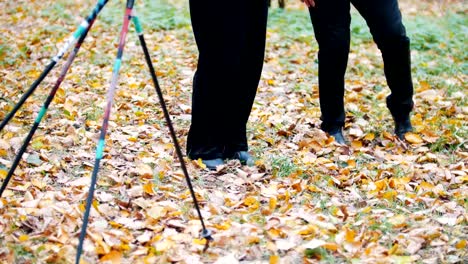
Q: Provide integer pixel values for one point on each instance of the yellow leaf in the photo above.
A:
(366, 210)
(274, 259)
(271, 82)
(423, 86)
(369, 137)
(82, 207)
(387, 135)
(95, 204)
(331, 246)
(312, 188)
(427, 186)
(272, 203)
(23, 238)
(113, 256)
(199, 241)
(274, 233)
(223, 226)
(3, 174)
(393, 250)
(357, 144)
(381, 184)
(351, 163)
(390, 195)
(252, 203)
(253, 240)
(201, 164)
(350, 235)
(148, 188)
(413, 138)
(461, 244)
(125, 246)
(308, 230)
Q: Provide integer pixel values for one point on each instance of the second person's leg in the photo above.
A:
(385, 23)
(331, 21)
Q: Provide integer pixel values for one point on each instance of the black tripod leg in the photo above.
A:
(205, 232)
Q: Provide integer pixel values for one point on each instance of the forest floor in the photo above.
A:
(307, 199)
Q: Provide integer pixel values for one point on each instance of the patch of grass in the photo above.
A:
(321, 254)
(155, 14)
(291, 24)
(283, 166)
(95, 114)
(22, 254)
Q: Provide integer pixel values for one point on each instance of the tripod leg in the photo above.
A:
(105, 123)
(45, 106)
(205, 233)
(84, 27)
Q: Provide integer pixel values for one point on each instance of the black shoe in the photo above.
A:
(338, 135)
(403, 127)
(212, 164)
(244, 157)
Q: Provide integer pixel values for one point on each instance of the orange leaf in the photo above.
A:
(148, 188)
(274, 259)
(113, 257)
(461, 244)
(331, 246)
(350, 235)
(357, 144)
(253, 240)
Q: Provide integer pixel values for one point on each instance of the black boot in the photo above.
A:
(212, 164)
(338, 135)
(243, 156)
(402, 127)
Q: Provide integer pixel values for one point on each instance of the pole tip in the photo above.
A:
(206, 234)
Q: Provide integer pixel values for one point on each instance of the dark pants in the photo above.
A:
(230, 36)
(331, 21)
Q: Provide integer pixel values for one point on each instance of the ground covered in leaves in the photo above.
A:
(380, 200)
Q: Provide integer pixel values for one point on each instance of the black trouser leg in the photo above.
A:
(331, 20)
(384, 20)
(231, 47)
(241, 97)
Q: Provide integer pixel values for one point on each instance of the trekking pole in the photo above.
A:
(205, 232)
(49, 99)
(105, 123)
(84, 27)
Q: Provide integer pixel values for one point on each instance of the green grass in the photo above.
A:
(282, 166)
(154, 14)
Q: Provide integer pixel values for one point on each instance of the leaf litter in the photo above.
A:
(307, 199)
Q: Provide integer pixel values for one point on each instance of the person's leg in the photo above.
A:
(217, 35)
(331, 21)
(243, 95)
(385, 23)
